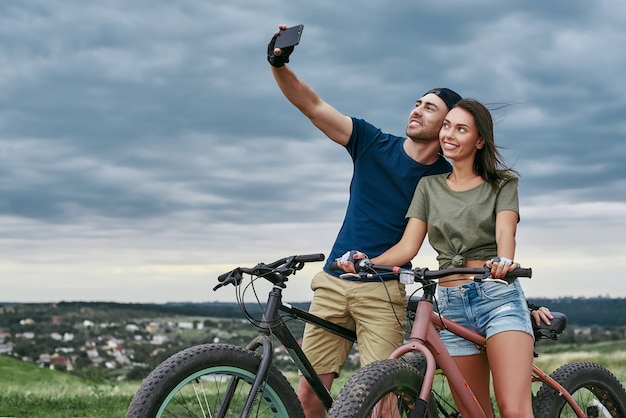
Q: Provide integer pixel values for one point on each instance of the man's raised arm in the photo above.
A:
(326, 118)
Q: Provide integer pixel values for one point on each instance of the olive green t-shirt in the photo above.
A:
(462, 225)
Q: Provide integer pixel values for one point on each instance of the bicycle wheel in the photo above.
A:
(596, 390)
(384, 388)
(192, 383)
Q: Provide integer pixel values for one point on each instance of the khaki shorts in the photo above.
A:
(365, 307)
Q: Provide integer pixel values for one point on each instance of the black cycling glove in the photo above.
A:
(278, 60)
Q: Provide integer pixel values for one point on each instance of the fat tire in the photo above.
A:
(373, 382)
(211, 361)
(586, 382)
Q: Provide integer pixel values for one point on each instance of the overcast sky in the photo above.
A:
(145, 147)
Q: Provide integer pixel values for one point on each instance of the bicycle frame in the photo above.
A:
(273, 324)
(425, 339)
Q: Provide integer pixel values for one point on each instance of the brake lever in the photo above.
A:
(234, 278)
(488, 278)
(348, 275)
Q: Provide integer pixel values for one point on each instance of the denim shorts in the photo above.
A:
(486, 308)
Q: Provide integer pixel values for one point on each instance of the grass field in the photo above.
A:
(29, 391)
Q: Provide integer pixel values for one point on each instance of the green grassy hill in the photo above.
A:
(21, 373)
(29, 391)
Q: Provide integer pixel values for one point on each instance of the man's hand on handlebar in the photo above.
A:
(346, 262)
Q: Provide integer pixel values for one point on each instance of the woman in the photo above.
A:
(471, 216)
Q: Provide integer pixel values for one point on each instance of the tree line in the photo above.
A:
(582, 312)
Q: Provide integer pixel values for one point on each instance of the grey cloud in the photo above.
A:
(150, 124)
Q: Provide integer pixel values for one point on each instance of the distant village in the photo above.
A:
(118, 346)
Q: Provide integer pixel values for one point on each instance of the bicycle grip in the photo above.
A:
(358, 264)
(520, 272)
(311, 257)
(223, 276)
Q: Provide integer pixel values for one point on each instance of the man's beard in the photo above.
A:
(423, 135)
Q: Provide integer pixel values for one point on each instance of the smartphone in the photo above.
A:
(289, 37)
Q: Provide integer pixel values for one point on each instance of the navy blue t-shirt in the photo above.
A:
(383, 183)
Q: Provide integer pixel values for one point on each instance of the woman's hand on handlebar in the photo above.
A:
(500, 266)
(346, 261)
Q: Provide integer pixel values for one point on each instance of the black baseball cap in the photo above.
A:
(449, 97)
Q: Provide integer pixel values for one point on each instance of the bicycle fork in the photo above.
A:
(262, 340)
(266, 361)
(425, 339)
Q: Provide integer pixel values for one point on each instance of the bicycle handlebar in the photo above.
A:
(275, 272)
(366, 269)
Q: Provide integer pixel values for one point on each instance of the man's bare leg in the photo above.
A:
(313, 407)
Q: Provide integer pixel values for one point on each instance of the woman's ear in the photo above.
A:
(480, 143)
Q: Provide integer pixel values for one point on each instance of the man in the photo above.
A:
(386, 171)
